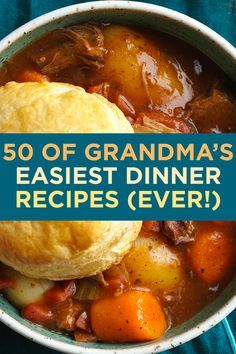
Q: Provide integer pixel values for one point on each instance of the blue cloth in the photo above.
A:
(219, 15)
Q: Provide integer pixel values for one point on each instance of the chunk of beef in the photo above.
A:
(81, 45)
(216, 113)
(179, 231)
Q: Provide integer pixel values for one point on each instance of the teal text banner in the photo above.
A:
(117, 177)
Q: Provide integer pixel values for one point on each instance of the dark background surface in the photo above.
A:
(220, 15)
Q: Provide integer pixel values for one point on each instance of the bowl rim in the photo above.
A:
(229, 306)
(143, 348)
(118, 4)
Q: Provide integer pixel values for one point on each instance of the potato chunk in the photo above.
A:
(153, 264)
(26, 290)
(144, 73)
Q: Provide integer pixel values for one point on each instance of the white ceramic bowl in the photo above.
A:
(193, 32)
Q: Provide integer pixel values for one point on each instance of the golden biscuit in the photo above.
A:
(72, 249)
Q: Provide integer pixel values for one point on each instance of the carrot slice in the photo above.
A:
(30, 75)
(132, 316)
(38, 313)
(213, 255)
(7, 283)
